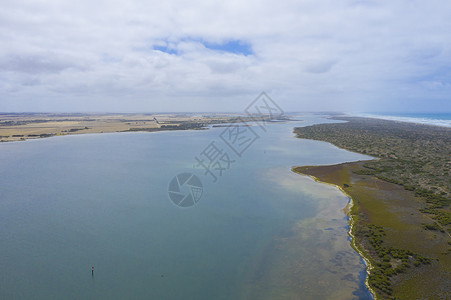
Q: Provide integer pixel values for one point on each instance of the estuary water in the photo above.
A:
(71, 203)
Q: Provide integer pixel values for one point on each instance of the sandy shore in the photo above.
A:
(396, 210)
(352, 220)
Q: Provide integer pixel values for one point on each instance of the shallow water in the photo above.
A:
(260, 231)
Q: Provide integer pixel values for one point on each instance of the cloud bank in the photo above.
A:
(149, 56)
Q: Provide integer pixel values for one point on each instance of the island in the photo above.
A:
(399, 212)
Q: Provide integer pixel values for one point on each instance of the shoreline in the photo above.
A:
(348, 211)
(22, 127)
(400, 215)
(386, 207)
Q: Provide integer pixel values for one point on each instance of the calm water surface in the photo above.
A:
(259, 232)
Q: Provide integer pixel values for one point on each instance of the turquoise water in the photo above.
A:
(434, 116)
(261, 231)
(437, 119)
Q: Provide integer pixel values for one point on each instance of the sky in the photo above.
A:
(204, 56)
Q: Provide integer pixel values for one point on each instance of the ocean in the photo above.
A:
(437, 119)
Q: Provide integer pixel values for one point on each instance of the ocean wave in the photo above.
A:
(418, 120)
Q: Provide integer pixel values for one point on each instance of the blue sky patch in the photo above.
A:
(165, 49)
(233, 46)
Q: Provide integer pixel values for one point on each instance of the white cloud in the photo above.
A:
(309, 55)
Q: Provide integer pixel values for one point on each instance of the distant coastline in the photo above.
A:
(21, 127)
